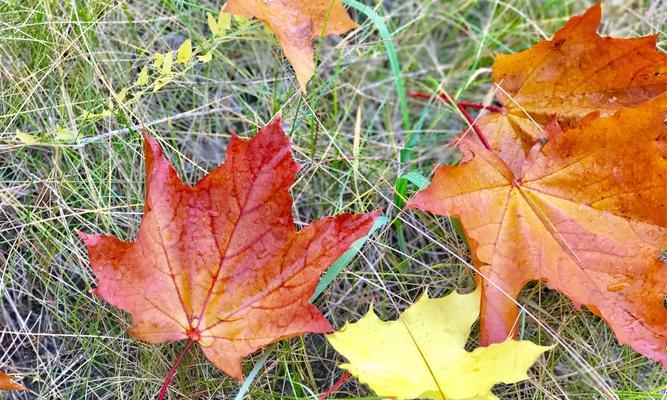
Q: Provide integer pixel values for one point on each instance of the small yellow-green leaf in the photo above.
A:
(184, 52)
(159, 59)
(243, 22)
(240, 18)
(162, 81)
(63, 134)
(224, 22)
(205, 57)
(120, 96)
(422, 354)
(212, 24)
(91, 116)
(26, 138)
(142, 79)
(166, 64)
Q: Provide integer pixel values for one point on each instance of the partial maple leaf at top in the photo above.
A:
(296, 23)
(423, 355)
(573, 74)
(220, 263)
(586, 213)
(579, 71)
(7, 382)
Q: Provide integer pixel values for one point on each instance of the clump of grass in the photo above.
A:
(59, 60)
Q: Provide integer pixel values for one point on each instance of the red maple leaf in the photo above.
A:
(220, 263)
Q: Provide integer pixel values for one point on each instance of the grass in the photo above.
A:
(61, 59)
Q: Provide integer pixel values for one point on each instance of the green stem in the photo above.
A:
(406, 152)
(393, 58)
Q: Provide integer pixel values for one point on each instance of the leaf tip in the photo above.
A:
(7, 382)
(82, 235)
(277, 121)
(375, 214)
(88, 239)
(151, 146)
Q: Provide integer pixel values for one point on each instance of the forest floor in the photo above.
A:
(63, 65)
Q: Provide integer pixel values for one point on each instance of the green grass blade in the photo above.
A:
(391, 53)
(343, 261)
(252, 375)
(417, 179)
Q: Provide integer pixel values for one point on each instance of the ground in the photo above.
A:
(63, 66)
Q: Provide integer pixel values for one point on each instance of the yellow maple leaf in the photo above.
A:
(422, 354)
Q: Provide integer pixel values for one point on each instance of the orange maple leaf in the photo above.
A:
(296, 23)
(575, 73)
(7, 382)
(221, 263)
(586, 213)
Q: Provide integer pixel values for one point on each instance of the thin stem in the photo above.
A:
(172, 371)
(443, 98)
(340, 382)
(472, 123)
(446, 98)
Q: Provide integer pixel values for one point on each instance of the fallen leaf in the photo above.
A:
(7, 382)
(586, 213)
(510, 136)
(566, 78)
(296, 23)
(220, 262)
(579, 71)
(422, 354)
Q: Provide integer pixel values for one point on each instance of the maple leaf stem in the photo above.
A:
(466, 104)
(340, 382)
(462, 105)
(474, 126)
(173, 369)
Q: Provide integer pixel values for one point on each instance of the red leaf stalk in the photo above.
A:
(340, 382)
(478, 131)
(443, 97)
(173, 369)
(462, 105)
